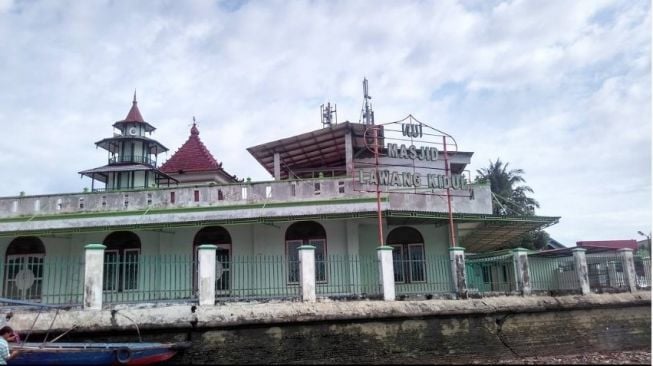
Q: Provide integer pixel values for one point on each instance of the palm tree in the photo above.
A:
(509, 196)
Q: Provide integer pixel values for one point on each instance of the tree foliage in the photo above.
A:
(510, 197)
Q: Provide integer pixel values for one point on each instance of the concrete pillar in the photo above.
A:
(386, 272)
(93, 276)
(349, 154)
(522, 270)
(206, 274)
(277, 166)
(307, 272)
(458, 273)
(580, 263)
(628, 263)
(613, 280)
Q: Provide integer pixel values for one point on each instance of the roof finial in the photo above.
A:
(193, 130)
(134, 97)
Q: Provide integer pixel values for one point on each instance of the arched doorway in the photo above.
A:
(218, 236)
(407, 254)
(24, 268)
(306, 233)
(121, 261)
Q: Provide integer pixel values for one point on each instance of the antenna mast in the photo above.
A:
(367, 114)
(328, 115)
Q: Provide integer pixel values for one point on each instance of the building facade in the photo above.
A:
(330, 191)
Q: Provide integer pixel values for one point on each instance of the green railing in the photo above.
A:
(605, 273)
(256, 277)
(643, 272)
(490, 274)
(139, 278)
(48, 280)
(423, 276)
(553, 274)
(347, 276)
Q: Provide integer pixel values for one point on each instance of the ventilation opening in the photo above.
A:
(196, 195)
(172, 197)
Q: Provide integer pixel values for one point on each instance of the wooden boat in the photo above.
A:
(86, 353)
(97, 354)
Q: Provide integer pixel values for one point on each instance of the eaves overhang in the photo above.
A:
(483, 232)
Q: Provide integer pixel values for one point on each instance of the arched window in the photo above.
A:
(219, 236)
(407, 254)
(24, 268)
(121, 261)
(306, 233)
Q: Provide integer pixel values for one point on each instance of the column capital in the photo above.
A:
(306, 247)
(456, 249)
(207, 246)
(578, 250)
(384, 247)
(95, 247)
(519, 250)
(624, 250)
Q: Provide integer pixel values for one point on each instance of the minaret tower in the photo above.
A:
(132, 156)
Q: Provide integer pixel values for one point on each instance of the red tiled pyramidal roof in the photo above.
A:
(134, 114)
(191, 156)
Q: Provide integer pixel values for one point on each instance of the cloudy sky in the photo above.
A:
(561, 89)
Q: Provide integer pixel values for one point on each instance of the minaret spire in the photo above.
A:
(134, 97)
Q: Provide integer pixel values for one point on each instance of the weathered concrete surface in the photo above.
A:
(238, 314)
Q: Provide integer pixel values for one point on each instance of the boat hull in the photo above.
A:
(96, 354)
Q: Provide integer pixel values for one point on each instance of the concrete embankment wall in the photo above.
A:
(373, 331)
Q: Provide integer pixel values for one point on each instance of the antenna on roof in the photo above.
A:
(328, 115)
(367, 114)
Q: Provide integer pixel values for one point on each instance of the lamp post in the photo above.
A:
(648, 241)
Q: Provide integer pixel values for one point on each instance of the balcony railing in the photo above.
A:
(138, 159)
(285, 191)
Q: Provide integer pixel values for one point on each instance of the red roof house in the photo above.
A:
(608, 244)
(193, 163)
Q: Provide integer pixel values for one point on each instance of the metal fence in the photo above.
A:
(257, 277)
(347, 276)
(423, 276)
(643, 272)
(486, 275)
(138, 278)
(48, 280)
(553, 274)
(606, 273)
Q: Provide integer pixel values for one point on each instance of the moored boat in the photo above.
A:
(97, 354)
